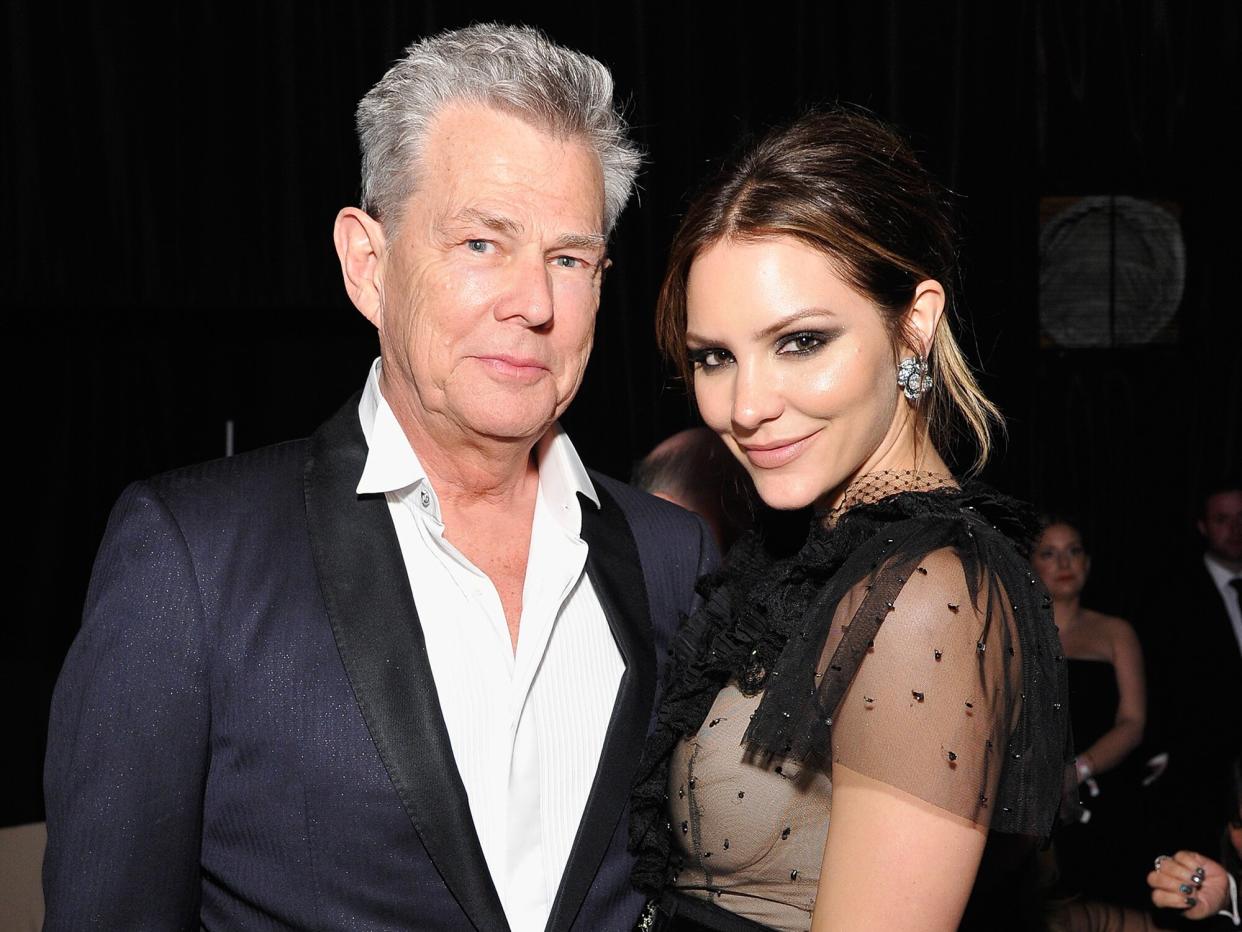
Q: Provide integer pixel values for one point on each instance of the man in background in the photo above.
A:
(694, 469)
(1196, 676)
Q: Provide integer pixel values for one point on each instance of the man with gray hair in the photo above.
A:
(398, 675)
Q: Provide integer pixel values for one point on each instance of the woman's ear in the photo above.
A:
(360, 243)
(924, 316)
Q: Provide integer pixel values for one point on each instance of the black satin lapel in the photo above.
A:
(371, 608)
(616, 574)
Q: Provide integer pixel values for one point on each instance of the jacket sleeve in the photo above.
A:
(709, 557)
(128, 735)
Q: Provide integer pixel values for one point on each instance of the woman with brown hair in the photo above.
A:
(842, 727)
(1097, 851)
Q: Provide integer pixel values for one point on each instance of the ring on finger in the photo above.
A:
(1197, 877)
(1160, 859)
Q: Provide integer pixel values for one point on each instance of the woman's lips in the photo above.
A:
(777, 453)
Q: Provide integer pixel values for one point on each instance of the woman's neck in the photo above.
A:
(873, 486)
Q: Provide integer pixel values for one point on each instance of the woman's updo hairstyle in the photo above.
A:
(844, 183)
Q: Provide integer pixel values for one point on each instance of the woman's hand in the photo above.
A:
(1190, 882)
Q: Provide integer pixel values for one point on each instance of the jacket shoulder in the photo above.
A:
(253, 476)
(647, 512)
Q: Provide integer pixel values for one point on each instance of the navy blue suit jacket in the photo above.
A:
(246, 732)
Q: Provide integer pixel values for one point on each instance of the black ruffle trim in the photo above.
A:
(752, 607)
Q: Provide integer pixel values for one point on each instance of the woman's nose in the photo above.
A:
(755, 399)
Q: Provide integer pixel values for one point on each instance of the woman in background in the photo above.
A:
(1099, 851)
(842, 727)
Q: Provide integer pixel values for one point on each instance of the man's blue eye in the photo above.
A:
(568, 262)
(476, 245)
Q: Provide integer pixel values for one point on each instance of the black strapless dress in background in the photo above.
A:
(1104, 858)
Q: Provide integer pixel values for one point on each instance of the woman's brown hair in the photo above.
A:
(849, 186)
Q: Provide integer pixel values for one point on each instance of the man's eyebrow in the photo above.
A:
(497, 222)
(581, 241)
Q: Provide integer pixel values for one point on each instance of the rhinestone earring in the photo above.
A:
(914, 377)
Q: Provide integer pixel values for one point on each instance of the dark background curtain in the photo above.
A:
(170, 174)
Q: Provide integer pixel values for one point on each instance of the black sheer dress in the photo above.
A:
(907, 640)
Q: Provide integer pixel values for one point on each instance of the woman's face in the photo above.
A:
(793, 368)
(1061, 561)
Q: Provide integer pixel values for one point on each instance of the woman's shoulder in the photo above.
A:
(1110, 633)
(1113, 624)
(973, 527)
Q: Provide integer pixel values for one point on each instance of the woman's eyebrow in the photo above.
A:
(777, 326)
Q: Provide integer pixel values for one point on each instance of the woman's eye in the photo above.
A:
(798, 344)
(709, 358)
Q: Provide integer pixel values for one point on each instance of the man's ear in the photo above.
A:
(924, 316)
(360, 245)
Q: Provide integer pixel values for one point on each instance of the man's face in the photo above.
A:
(1221, 526)
(490, 287)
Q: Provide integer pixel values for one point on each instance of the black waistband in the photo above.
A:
(679, 913)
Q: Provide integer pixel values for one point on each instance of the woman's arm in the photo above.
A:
(917, 754)
(893, 861)
(1111, 748)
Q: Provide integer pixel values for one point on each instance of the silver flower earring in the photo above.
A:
(914, 376)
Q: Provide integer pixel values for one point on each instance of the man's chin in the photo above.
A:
(510, 427)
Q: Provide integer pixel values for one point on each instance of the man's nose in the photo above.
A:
(755, 399)
(529, 297)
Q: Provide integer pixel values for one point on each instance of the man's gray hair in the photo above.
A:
(516, 69)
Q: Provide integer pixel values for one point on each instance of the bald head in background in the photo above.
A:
(695, 470)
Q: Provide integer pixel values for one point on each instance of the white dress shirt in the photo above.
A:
(526, 726)
(1221, 575)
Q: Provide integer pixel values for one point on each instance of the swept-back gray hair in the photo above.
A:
(512, 68)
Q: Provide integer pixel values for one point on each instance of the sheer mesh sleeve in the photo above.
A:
(936, 694)
(928, 661)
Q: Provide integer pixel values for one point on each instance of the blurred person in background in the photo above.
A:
(1195, 669)
(1095, 850)
(695, 470)
(1203, 889)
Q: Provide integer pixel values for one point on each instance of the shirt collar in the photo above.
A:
(1221, 575)
(562, 478)
(393, 466)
